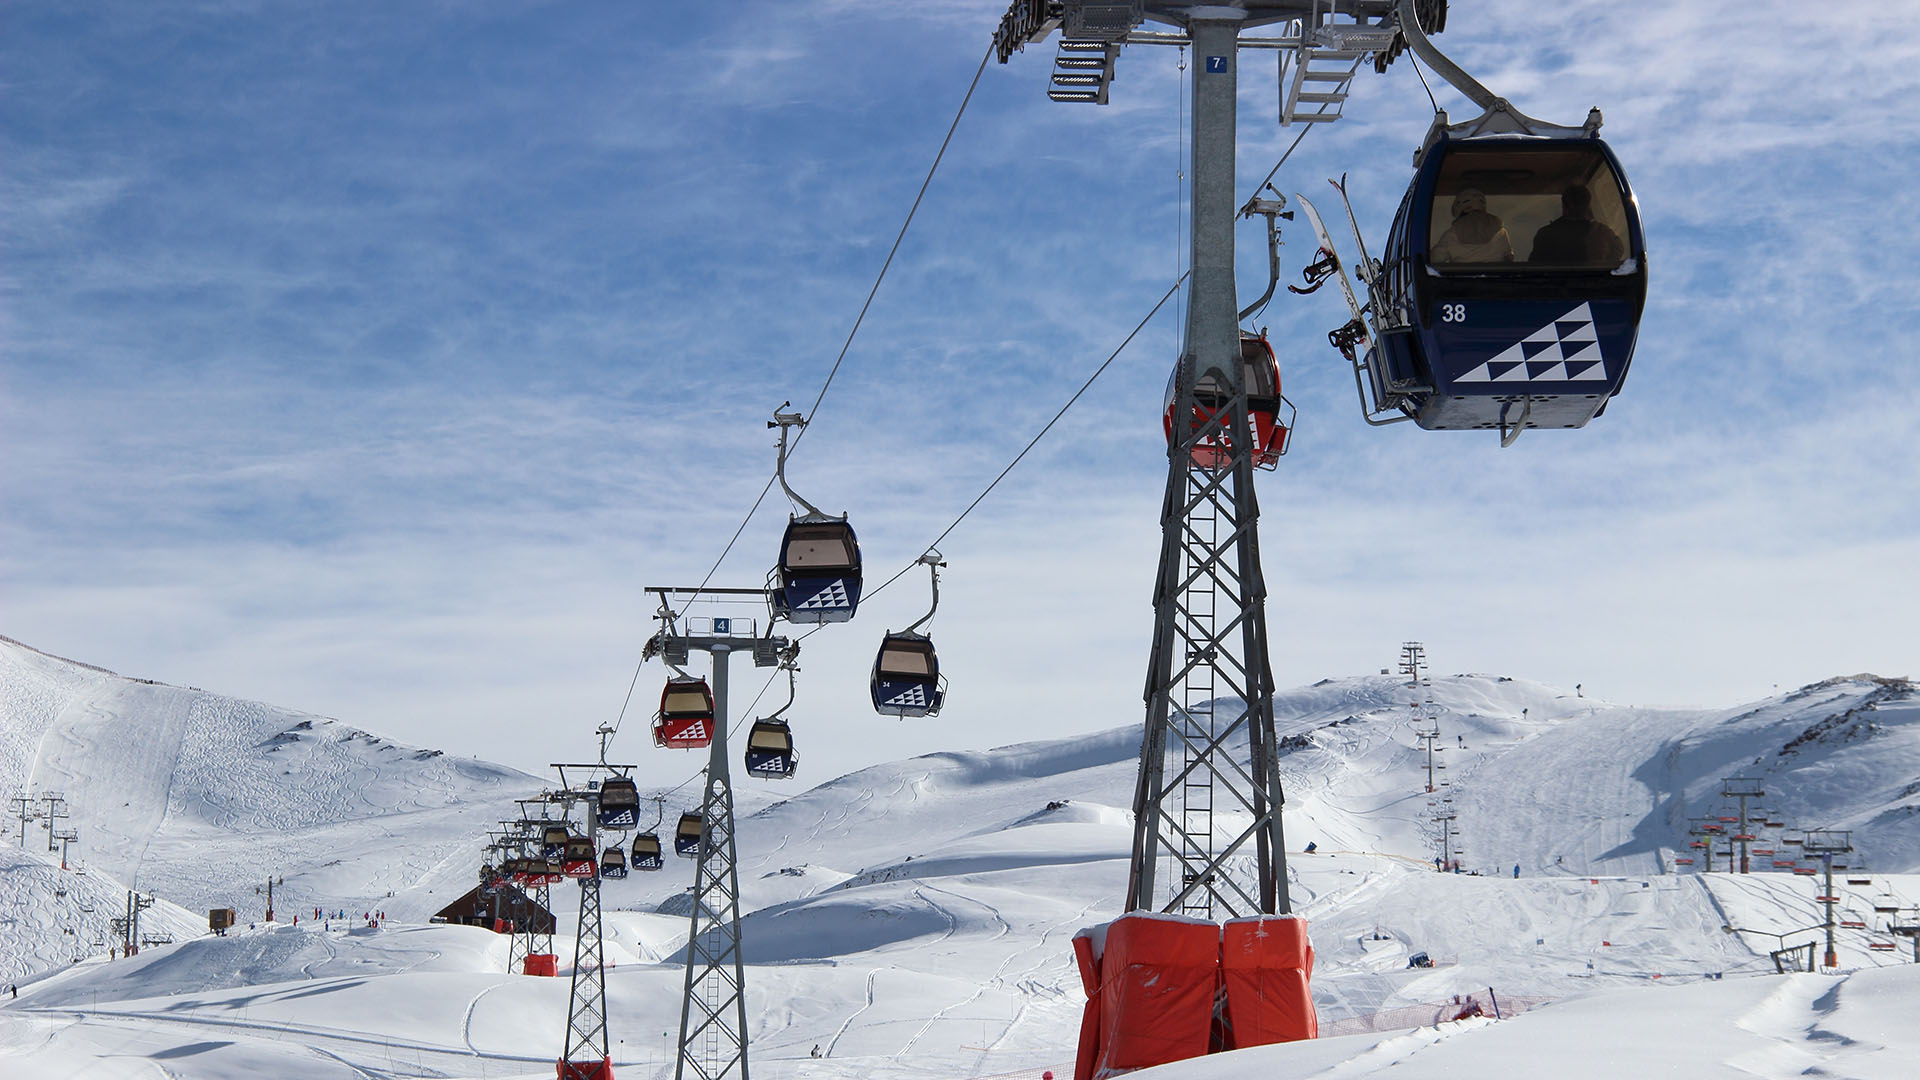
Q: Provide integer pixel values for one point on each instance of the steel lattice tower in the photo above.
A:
(587, 1005)
(1209, 689)
(713, 1012)
(541, 943)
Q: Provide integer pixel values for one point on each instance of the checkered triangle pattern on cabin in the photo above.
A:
(833, 595)
(914, 697)
(1565, 350)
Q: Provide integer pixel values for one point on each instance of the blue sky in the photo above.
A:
(371, 358)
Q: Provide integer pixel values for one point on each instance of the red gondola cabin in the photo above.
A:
(1265, 407)
(685, 720)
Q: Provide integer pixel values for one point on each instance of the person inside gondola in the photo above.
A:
(1574, 237)
(1475, 235)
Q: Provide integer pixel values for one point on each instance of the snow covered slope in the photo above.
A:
(200, 798)
(912, 919)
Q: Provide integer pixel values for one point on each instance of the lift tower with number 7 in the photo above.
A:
(1209, 743)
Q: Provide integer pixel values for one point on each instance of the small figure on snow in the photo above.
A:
(816, 1049)
(1312, 846)
(1516, 870)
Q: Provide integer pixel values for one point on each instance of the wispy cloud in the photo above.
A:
(372, 361)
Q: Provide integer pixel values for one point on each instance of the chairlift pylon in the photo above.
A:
(906, 671)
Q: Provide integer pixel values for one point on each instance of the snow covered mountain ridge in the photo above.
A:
(201, 798)
(912, 918)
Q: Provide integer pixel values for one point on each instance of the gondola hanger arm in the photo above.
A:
(933, 561)
(1499, 115)
(783, 421)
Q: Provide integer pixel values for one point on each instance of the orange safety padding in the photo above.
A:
(1266, 964)
(1088, 1056)
(584, 1070)
(541, 964)
(1159, 976)
(1089, 963)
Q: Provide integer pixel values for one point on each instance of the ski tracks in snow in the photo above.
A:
(872, 975)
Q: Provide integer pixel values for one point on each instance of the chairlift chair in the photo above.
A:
(687, 838)
(619, 805)
(613, 863)
(1269, 413)
(646, 852)
(685, 719)
(770, 750)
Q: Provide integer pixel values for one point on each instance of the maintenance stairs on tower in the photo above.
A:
(1316, 78)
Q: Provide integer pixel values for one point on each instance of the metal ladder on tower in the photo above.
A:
(1082, 70)
(1196, 718)
(1316, 78)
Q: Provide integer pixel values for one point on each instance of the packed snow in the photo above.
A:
(911, 920)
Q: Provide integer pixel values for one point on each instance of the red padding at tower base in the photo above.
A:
(1266, 964)
(1159, 975)
(584, 1070)
(1089, 960)
(542, 964)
